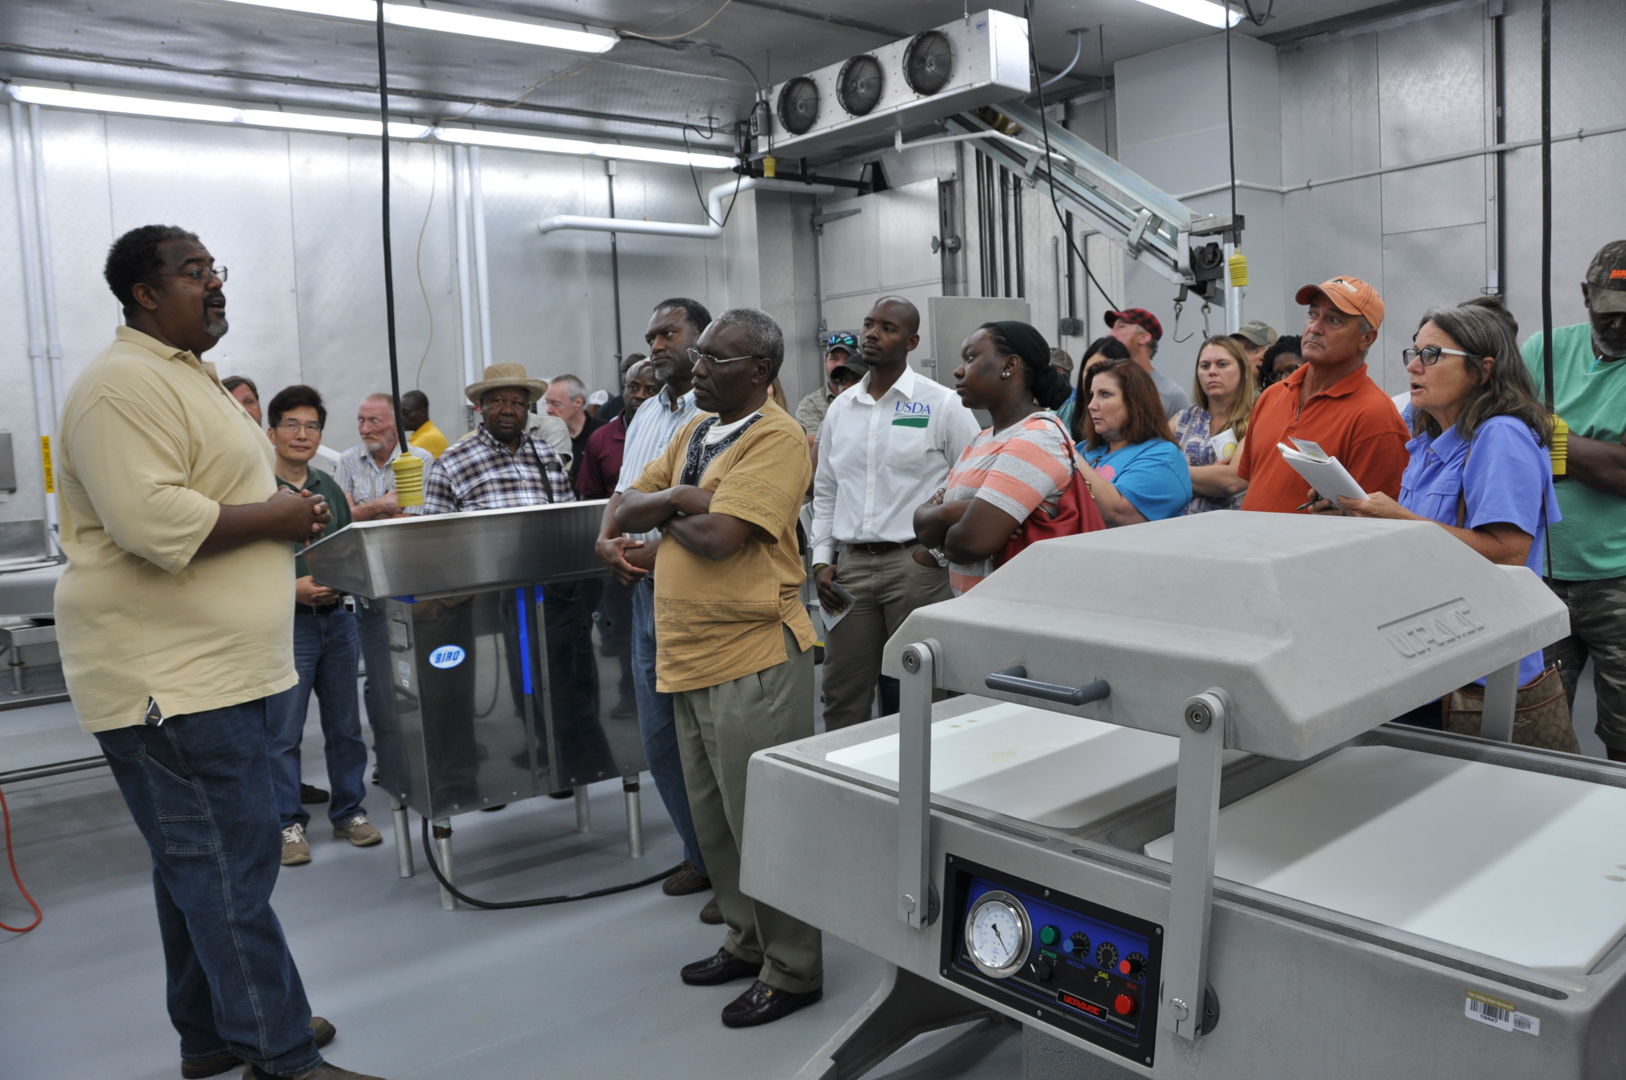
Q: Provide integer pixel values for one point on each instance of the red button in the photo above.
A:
(1124, 1005)
(1129, 967)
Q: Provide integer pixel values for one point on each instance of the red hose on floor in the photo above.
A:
(5, 814)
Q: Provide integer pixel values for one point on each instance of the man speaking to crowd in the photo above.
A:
(169, 506)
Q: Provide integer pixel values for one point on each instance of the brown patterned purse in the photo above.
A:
(1541, 712)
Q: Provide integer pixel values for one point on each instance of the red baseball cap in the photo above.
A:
(1140, 317)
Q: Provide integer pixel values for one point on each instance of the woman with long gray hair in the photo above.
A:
(1479, 465)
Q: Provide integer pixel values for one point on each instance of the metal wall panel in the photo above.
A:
(1172, 122)
(338, 277)
(295, 216)
(17, 403)
(230, 186)
(551, 297)
(1423, 269)
(884, 249)
(1330, 119)
(1589, 196)
(1384, 99)
(81, 206)
(1432, 94)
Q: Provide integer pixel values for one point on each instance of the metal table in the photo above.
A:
(1046, 853)
(30, 564)
(484, 682)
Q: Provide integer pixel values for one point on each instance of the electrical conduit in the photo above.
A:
(714, 208)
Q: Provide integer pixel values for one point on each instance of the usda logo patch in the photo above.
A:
(447, 656)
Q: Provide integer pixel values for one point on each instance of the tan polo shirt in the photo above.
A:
(720, 621)
(150, 445)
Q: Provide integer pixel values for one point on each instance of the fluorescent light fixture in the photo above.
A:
(213, 114)
(548, 144)
(445, 19)
(1204, 11)
(118, 103)
(356, 125)
(337, 125)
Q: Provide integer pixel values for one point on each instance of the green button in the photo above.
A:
(1049, 935)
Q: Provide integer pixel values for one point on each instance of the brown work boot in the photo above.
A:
(325, 1071)
(322, 1033)
(685, 880)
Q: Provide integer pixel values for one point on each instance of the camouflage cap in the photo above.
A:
(1606, 278)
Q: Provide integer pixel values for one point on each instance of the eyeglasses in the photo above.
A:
(1429, 354)
(294, 427)
(695, 356)
(836, 341)
(202, 273)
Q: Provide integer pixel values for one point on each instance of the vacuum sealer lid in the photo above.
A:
(1318, 628)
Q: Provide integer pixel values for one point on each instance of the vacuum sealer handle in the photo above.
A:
(1014, 680)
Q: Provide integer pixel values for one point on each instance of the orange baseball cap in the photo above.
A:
(1350, 295)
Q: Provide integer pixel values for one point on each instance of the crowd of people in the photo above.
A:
(173, 494)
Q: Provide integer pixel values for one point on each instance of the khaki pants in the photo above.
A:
(718, 729)
(886, 588)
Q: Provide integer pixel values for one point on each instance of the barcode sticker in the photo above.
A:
(1499, 1014)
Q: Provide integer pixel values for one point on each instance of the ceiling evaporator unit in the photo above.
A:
(906, 85)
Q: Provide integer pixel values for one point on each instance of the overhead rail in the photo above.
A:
(1153, 226)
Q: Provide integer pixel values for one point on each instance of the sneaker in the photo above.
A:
(296, 850)
(358, 831)
(310, 795)
(712, 913)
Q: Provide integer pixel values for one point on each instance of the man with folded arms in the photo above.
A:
(735, 642)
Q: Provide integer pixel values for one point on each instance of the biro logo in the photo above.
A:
(447, 656)
(1420, 634)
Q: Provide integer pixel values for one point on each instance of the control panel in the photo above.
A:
(1083, 968)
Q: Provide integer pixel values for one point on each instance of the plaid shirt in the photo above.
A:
(364, 479)
(478, 473)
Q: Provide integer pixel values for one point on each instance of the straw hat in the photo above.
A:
(505, 375)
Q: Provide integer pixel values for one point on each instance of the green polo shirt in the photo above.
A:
(1590, 394)
(328, 488)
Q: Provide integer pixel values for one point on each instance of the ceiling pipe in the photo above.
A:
(714, 212)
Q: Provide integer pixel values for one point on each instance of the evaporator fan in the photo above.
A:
(798, 105)
(928, 62)
(858, 86)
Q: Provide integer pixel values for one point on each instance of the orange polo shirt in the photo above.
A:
(1352, 420)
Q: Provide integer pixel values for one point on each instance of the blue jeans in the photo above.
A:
(656, 725)
(326, 650)
(199, 788)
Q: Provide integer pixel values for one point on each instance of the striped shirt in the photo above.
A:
(479, 473)
(1016, 470)
(651, 428)
(364, 479)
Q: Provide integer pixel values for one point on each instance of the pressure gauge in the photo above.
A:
(998, 934)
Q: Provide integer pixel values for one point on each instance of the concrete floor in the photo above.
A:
(417, 993)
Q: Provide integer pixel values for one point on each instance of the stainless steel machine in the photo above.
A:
(1172, 836)
(484, 682)
(30, 564)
